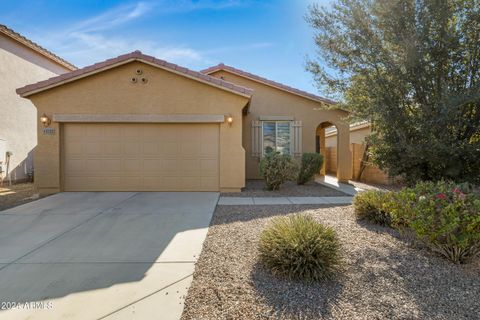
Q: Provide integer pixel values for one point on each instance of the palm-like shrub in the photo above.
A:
(311, 164)
(299, 248)
(277, 169)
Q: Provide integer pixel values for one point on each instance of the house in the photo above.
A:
(358, 132)
(368, 172)
(21, 62)
(137, 123)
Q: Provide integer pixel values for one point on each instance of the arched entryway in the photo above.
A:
(338, 157)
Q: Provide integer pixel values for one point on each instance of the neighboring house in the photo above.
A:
(137, 123)
(21, 62)
(358, 132)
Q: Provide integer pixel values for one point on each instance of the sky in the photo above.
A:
(269, 38)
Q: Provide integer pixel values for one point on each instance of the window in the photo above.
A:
(276, 136)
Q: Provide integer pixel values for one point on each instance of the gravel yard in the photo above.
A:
(382, 278)
(16, 194)
(256, 188)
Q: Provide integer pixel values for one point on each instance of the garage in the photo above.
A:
(138, 123)
(140, 157)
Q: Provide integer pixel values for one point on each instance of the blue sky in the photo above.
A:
(269, 38)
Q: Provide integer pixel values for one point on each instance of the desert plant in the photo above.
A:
(299, 248)
(373, 205)
(443, 215)
(277, 169)
(311, 164)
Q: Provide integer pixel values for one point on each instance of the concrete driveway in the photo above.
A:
(109, 255)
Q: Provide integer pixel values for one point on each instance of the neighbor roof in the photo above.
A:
(271, 83)
(127, 58)
(32, 45)
(331, 131)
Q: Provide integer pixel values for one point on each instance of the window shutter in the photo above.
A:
(256, 138)
(297, 138)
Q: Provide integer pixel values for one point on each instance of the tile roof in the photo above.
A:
(275, 84)
(32, 45)
(126, 58)
(353, 126)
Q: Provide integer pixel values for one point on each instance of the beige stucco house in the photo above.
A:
(137, 123)
(21, 62)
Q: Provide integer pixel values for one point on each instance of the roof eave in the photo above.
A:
(222, 67)
(26, 92)
(35, 47)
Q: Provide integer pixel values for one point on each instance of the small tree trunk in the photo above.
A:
(363, 162)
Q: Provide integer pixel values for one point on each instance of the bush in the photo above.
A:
(443, 215)
(277, 169)
(299, 248)
(372, 205)
(311, 164)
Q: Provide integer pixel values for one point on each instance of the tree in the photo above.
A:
(411, 67)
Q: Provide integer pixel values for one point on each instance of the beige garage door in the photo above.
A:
(141, 157)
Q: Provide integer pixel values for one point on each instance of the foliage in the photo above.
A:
(277, 169)
(311, 164)
(298, 247)
(372, 205)
(412, 68)
(443, 215)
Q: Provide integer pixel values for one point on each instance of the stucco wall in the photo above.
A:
(269, 101)
(111, 92)
(20, 66)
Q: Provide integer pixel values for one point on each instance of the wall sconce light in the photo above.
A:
(45, 120)
(229, 120)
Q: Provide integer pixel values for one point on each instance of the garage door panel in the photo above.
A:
(133, 148)
(190, 149)
(92, 148)
(209, 183)
(191, 182)
(112, 148)
(209, 167)
(152, 165)
(141, 157)
(74, 149)
(75, 165)
(151, 148)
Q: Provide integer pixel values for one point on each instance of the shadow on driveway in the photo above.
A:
(78, 243)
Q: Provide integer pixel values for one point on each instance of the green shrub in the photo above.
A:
(443, 215)
(372, 205)
(299, 248)
(277, 169)
(311, 164)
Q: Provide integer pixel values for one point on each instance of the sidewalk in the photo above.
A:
(235, 201)
(332, 182)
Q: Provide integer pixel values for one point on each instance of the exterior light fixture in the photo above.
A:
(229, 120)
(45, 120)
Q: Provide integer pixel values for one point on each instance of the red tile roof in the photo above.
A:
(277, 85)
(126, 58)
(32, 45)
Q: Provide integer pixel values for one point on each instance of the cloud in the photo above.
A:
(112, 18)
(85, 48)
(96, 38)
(103, 36)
